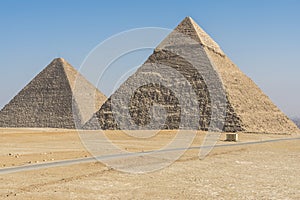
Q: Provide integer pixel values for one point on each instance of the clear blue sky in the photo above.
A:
(260, 36)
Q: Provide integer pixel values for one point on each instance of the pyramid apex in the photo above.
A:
(188, 18)
(59, 60)
(189, 27)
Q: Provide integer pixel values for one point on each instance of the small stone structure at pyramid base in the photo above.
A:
(247, 108)
(50, 100)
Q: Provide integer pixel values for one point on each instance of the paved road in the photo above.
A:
(95, 159)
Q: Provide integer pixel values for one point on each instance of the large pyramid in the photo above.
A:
(51, 100)
(247, 108)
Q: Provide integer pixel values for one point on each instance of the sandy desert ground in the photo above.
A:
(246, 171)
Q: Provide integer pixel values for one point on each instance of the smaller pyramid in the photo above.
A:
(52, 99)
